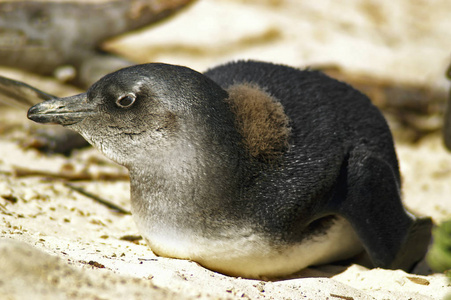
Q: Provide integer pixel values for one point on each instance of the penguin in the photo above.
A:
(250, 169)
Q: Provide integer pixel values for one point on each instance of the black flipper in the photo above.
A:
(392, 237)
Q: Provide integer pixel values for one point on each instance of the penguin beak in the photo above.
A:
(63, 111)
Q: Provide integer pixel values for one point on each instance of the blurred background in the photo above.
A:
(400, 40)
(397, 52)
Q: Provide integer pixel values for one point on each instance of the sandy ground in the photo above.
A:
(57, 243)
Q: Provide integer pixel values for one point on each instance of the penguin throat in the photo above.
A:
(186, 177)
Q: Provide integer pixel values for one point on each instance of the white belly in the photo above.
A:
(250, 255)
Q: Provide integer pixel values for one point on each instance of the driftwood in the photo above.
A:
(40, 36)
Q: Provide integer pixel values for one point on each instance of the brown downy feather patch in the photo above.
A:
(261, 121)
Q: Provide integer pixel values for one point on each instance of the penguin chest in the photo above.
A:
(242, 252)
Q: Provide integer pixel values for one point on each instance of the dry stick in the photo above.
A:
(342, 297)
(24, 172)
(98, 199)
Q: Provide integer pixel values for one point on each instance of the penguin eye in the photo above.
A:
(126, 100)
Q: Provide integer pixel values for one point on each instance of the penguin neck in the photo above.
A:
(192, 176)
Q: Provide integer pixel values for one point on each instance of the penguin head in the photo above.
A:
(144, 110)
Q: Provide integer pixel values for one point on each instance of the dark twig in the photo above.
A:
(70, 176)
(342, 297)
(98, 199)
